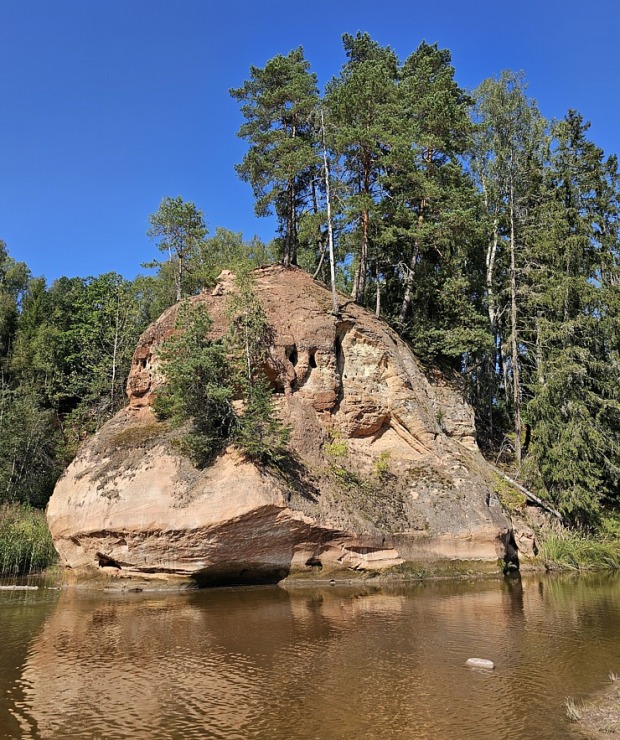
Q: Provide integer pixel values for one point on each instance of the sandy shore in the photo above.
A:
(600, 716)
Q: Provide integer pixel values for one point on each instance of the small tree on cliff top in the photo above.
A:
(180, 228)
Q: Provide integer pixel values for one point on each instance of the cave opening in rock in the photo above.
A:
(106, 561)
(312, 359)
(292, 355)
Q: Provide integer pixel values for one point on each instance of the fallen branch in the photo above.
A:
(531, 496)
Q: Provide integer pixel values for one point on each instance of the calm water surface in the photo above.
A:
(328, 662)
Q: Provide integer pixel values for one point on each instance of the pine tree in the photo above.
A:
(278, 103)
(359, 106)
(179, 228)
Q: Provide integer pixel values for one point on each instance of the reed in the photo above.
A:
(25, 541)
(572, 551)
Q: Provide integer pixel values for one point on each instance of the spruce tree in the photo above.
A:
(259, 433)
(197, 391)
(573, 263)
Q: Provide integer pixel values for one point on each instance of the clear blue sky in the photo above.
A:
(108, 105)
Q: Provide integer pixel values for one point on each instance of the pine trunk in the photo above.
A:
(330, 230)
(404, 308)
(359, 284)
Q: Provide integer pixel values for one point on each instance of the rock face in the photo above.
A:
(384, 469)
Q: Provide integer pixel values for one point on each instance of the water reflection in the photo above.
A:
(319, 662)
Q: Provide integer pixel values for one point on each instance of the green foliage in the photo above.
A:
(14, 278)
(576, 552)
(179, 228)
(197, 388)
(359, 109)
(25, 541)
(74, 343)
(337, 448)
(204, 376)
(28, 445)
(382, 464)
(510, 498)
(574, 408)
(259, 434)
(225, 250)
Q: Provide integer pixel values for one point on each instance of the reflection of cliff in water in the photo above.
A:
(21, 621)
(321, 662)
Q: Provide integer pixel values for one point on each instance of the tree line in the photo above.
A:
(484, 234)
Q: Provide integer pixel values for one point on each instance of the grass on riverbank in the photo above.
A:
(573, 551)
(25, 541)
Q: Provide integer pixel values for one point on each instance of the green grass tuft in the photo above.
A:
(574, 551)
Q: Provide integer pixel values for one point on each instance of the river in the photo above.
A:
(308, 662)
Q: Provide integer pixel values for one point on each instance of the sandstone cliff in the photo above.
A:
(384, 468)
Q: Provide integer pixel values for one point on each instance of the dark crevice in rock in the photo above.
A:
(107, 562)
(511, 556)
(243, 576)
(340, 360)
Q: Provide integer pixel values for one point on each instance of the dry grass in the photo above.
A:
(572, 711)
(600, 717)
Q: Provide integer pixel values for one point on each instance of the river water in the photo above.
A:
(308, 662)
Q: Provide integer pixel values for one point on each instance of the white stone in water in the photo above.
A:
(480, 663)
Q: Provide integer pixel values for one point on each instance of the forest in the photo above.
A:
(486, 235)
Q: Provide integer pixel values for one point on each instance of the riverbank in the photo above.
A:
(26, 548)
(598, 717)
(111, 581)
(568, 550)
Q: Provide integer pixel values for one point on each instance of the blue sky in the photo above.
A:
(109, 105)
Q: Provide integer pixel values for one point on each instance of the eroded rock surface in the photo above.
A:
(384, 468)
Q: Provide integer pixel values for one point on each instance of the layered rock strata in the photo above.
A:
(384, 468)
